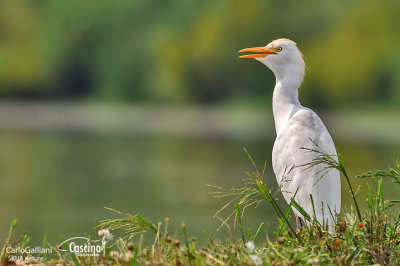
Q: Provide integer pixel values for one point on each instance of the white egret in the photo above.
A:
(298, 127)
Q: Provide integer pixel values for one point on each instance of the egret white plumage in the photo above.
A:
(298, 127)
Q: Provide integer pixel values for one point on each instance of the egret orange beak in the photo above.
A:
(262, 52)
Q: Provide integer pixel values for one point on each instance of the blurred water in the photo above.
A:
(59, 182)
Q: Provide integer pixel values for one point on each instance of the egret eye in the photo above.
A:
(278, 49)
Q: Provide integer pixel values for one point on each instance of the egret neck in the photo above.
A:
(285, 99)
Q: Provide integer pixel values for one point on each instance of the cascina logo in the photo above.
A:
(83, 246)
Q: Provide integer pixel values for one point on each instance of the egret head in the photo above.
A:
(281, 56)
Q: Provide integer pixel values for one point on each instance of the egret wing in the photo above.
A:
(306, 130)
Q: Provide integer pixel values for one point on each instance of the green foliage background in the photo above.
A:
(186, 51)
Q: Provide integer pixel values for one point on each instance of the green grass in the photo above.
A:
(369, 237)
